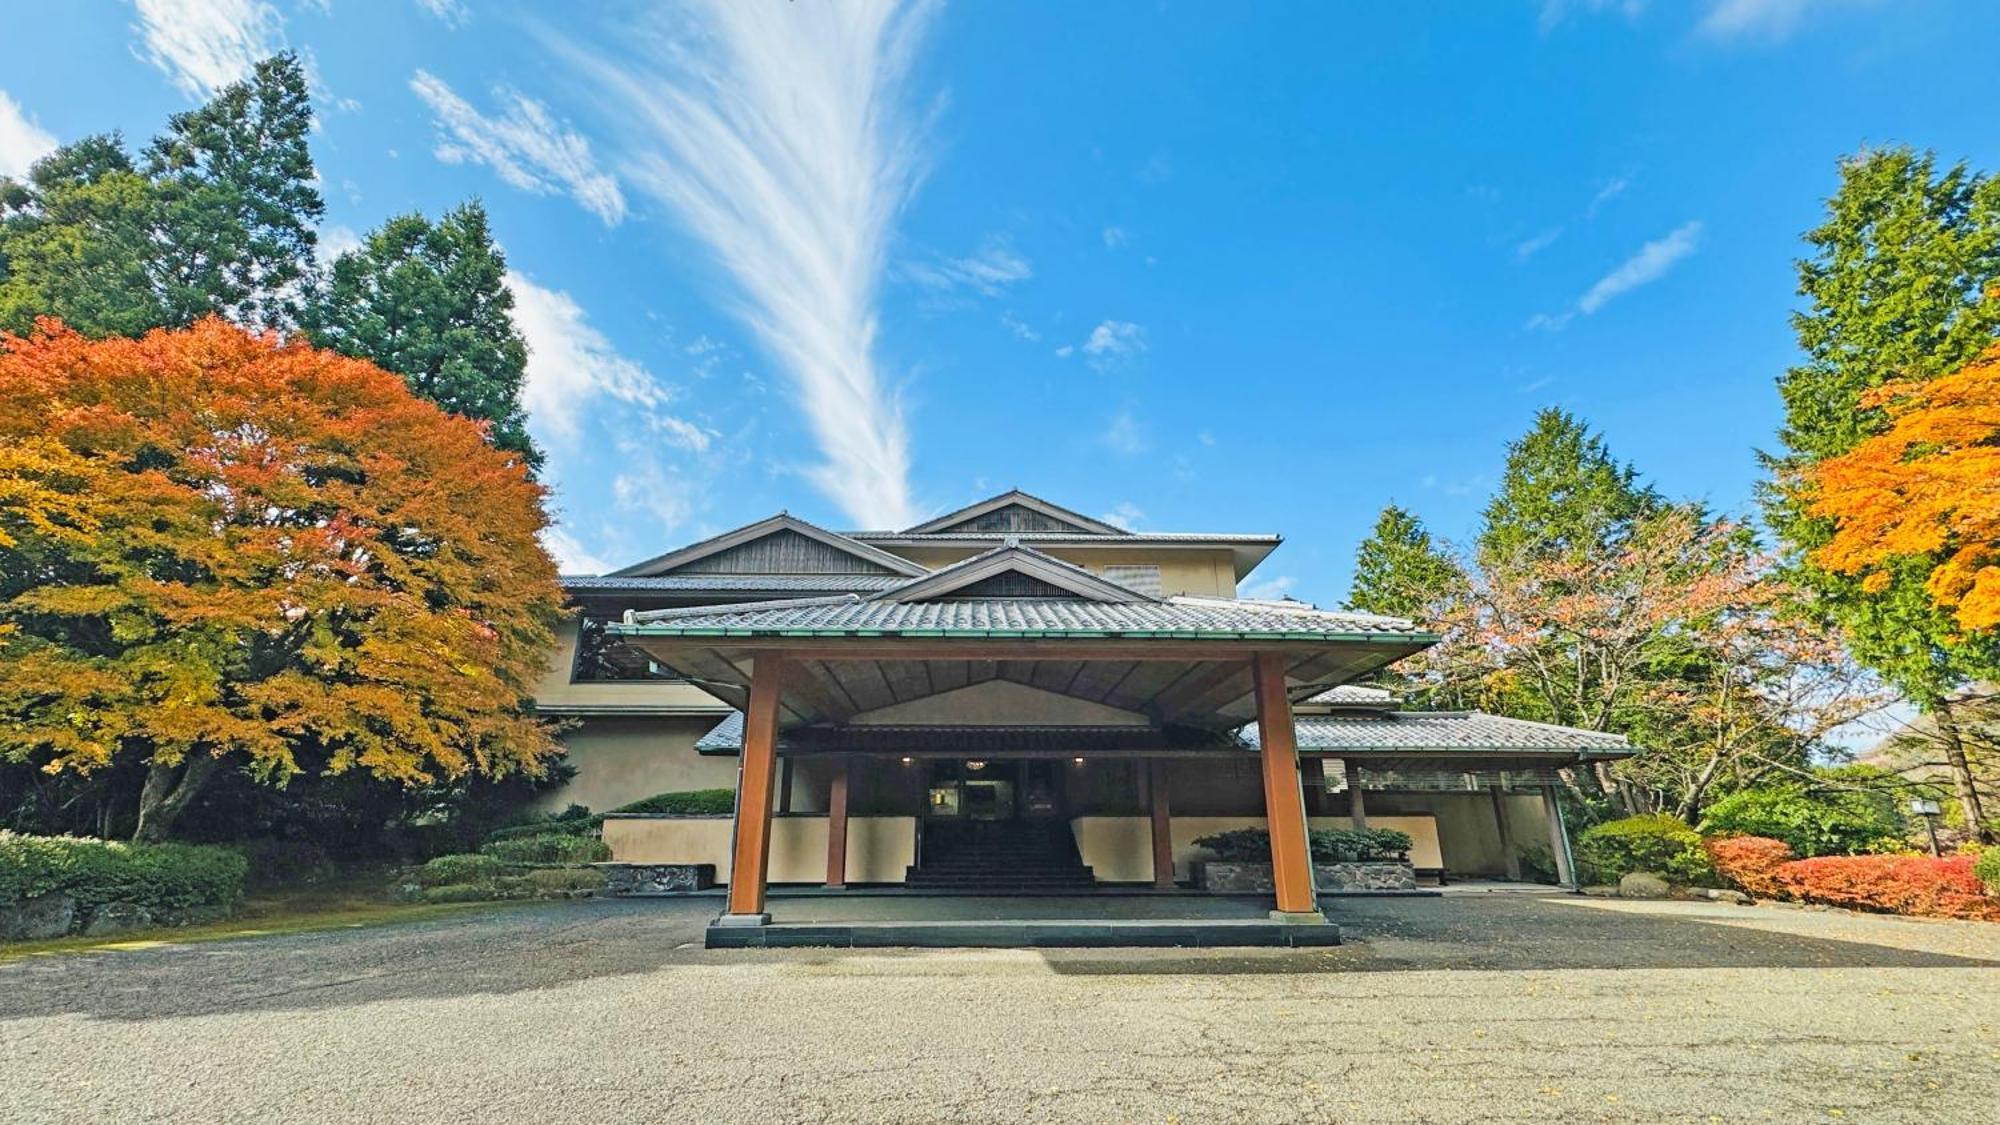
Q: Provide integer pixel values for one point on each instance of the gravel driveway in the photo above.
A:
(1454, 1009)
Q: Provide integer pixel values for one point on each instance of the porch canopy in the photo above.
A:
(1192, 670)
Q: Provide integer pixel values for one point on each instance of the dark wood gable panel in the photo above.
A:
(1016, 518)
(1009, 584)
(782, 552)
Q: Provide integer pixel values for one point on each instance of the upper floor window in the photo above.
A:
(601, 657)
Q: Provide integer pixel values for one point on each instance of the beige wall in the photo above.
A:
(621, 760)
(1468, 834)
(880, 849)
(1205, 571)
(1119, 849)
(555, 693)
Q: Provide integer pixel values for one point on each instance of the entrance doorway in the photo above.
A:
(992, 824)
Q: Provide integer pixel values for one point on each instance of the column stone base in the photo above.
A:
(1299, 917)
(744, 920)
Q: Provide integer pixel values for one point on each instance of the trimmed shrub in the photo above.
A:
(1750, 863)
(167, 880)
(460, 892)
(1987, 869)
(1653, 843)
(691, 802)
(548, 849)
(557, 880)
(1895, 884)
(575, 820)
(451, 870)
(1329, 845)
(1812, 822)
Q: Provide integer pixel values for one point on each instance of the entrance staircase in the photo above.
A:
(999, 857)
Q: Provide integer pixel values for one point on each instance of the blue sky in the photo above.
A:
(1194, 266)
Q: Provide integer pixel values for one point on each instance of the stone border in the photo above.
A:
(1226, 877)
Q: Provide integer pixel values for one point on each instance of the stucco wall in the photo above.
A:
(879, 848)
(1119, 849)
(1468, 834)
(621, 760)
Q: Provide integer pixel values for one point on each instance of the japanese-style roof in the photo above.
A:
(1352, 695)
(1446, 732)
(782, 528)
(736, 583)
(1013, 512)
(1400, 735)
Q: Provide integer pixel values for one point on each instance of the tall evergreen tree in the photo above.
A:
(1903, 282)
(1562, 492)
(1398, 570)
(218, 218)
(235, 183)
(430, 302)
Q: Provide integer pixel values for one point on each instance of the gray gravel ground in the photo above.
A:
(1459, 1009)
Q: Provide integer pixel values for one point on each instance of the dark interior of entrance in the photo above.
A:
(996, 826)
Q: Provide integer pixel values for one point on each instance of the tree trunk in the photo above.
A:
(168, 791)
(1961, 771)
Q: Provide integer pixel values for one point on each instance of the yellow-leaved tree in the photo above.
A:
(221, 551)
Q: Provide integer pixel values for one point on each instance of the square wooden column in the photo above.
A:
(1284, 794)
(836, 826)
(1558, 838)
(757, 774)
(1161, 811)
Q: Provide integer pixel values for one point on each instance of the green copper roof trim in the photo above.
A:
(658, 630)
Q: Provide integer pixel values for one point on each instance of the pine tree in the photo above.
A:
(1398, 570)
(430, 302)
(1562, 493)
(1903, 283)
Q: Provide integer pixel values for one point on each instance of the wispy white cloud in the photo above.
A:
(572, 366)
(1126, 435)
(453, 12)
(1110, 343)
(1770, 21)
(1126, 515)
(1651, 263)
(1555, 12)
(204, 45)
(1020, 328)
(571, 556)
(336, 239)
(1612, 189)
(524, 145)
(1529, 247)
(782, 136)
(22, 141)
(1269, 589)
(665, 497)
(1115, 237)
(989, 272)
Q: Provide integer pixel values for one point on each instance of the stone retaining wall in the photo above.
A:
(1255, 878)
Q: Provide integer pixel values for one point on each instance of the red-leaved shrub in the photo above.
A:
(1898, 884)
(1750, 863)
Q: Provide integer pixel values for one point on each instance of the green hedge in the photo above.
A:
(449, 870)
(1813, 822)
(548, 849)
(164, 879)
(692, 802)
(1655, 843)
(1329, 845)
(1987, 869)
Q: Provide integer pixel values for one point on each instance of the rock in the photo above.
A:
(37, 919)
(117, 917)
(628, 879)
(1642, 884)
(1724, 894)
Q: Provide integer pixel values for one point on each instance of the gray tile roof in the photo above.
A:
(1353, 695)
(736, 583)
(1192, 618)
(1441, 731)
(1406, 732)
(1133, 539)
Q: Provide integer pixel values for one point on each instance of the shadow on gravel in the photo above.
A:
(1403, 935)
(506, 950)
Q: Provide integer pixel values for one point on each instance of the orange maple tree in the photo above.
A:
(217, 549)
(1925, 489)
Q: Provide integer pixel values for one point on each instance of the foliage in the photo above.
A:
(1750, 863)
(446, 870)
(1561, 494)
(216, 548)
(689, 802)
(430, 302)
(1897, 884)
(1921, 491)
(1987, 869)
(550, 848)
(1812, 820)
(218, 219)
(1660, 845)
(576, 820)
(1538, 864)
(1899, 288)
(161, 878)
(1328, 845)
(556, 880)
(1398, 570)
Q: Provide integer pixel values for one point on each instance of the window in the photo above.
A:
(1143, 577)
(602, 658)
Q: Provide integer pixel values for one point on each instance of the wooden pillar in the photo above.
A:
(1558, 838)
(1513, 858)
(836, 826)
(1357, 805)
(750, 860)
(1160, 808)
(1284, 796)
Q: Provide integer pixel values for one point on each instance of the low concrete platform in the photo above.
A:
(1050, 933)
